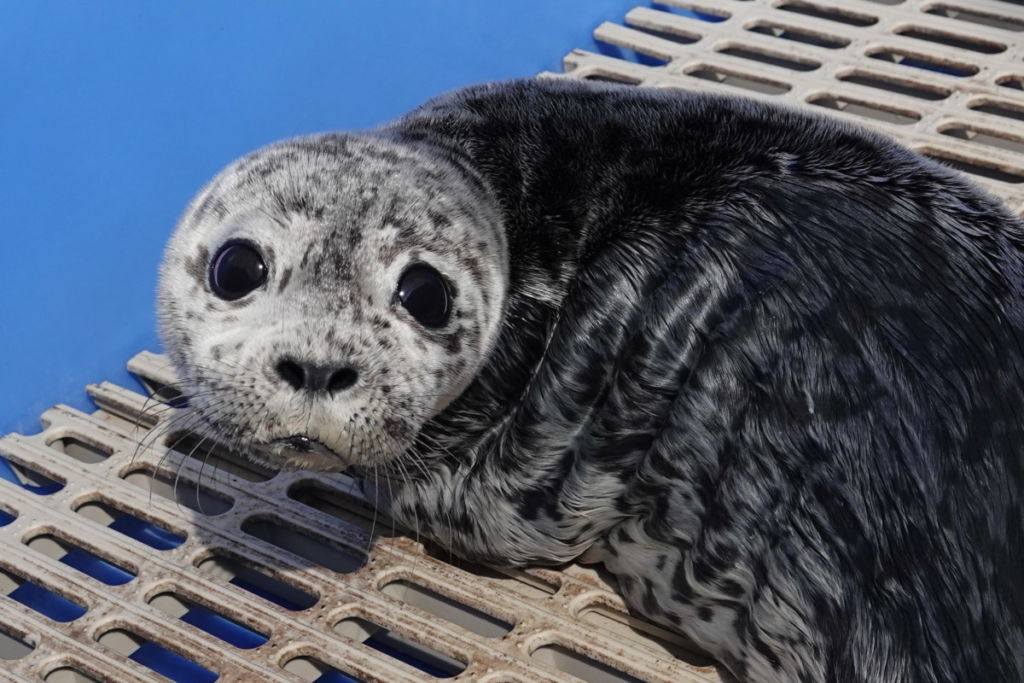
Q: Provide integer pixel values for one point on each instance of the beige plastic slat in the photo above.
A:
(307, 537)
(504, 625)
(860, 60)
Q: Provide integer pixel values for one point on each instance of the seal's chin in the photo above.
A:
(301, 452)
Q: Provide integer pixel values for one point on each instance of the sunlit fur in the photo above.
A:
(767, 367)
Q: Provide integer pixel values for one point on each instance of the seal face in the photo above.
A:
(767, 367)
(324, 297)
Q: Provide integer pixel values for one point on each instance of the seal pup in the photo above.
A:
(765, 366)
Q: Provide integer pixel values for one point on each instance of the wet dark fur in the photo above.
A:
(794, 344)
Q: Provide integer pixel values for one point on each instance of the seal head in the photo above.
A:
(322, 298)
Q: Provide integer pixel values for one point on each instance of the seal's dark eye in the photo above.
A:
(423, 293)
(236, 270)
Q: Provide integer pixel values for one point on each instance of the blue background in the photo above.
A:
(114, 113)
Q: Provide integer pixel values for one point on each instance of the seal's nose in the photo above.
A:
(312, 377)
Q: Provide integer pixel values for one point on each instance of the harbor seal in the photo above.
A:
(765, 366)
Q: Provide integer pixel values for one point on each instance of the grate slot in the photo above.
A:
(153, 534)
(580, 665)
(836, 14)
(864, 109)
(216, 458)
(342, 505)
(28, 478)
(399, 646)
(776, 30)
(6, 517)
(974, 16)
(76, 557)
(152, 655)
(259, 583)
(12, 646)
(447, 608)
(756, 54)
(208, 620)
(609, 77)
(646, 634)
(636, 55)
(954, 40)
(179, 490)
(922, 61)
(729, 77)
(975, 167)
(708, 13)
(69, 674)
(515, 581)
(80, 449)
(900, 86)
(1008, 110)
(984, 136)
(312, 669)
(49, 603)
(314, 549)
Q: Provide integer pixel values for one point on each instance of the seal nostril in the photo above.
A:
(342, 379)
(291, 372)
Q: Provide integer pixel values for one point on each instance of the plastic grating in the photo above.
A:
(110, 574)
(945, 77)
(109, 571)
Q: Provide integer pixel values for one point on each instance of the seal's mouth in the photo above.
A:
(305, 447)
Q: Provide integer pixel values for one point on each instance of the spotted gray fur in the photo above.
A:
(765, 366)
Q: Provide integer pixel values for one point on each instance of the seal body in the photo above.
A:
(766, 367)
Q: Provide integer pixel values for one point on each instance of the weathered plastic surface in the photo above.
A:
(945, 77)
(307, 530)
(266, 576)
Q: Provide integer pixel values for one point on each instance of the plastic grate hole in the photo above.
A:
(512, 580)
(797, 35)
(81, 450)
(345, 507)
(581, 666)
(256, 582)
(685, 9)
(400, 647)
(42, 600)
(1004, 109)
(1015, 82)
(68, 674)
(708, 73)
(28, 478)
(608, 77)
(78, 558)
(181, 491)
(13, 647)
(153, 535)
(156, 657)
(977, 17)
(671, 36)
(954, 40)
(447, 608)
(210, 621)
(216, 458)
(863, 109)
(320, 552)
(977, 169)
(629, 55)
(7, 517)
(773, 59)
(990, 138)
(646, 634)
(311, 669)
(960, 70)
(164, 393)
(841, 16)
(895, 85)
